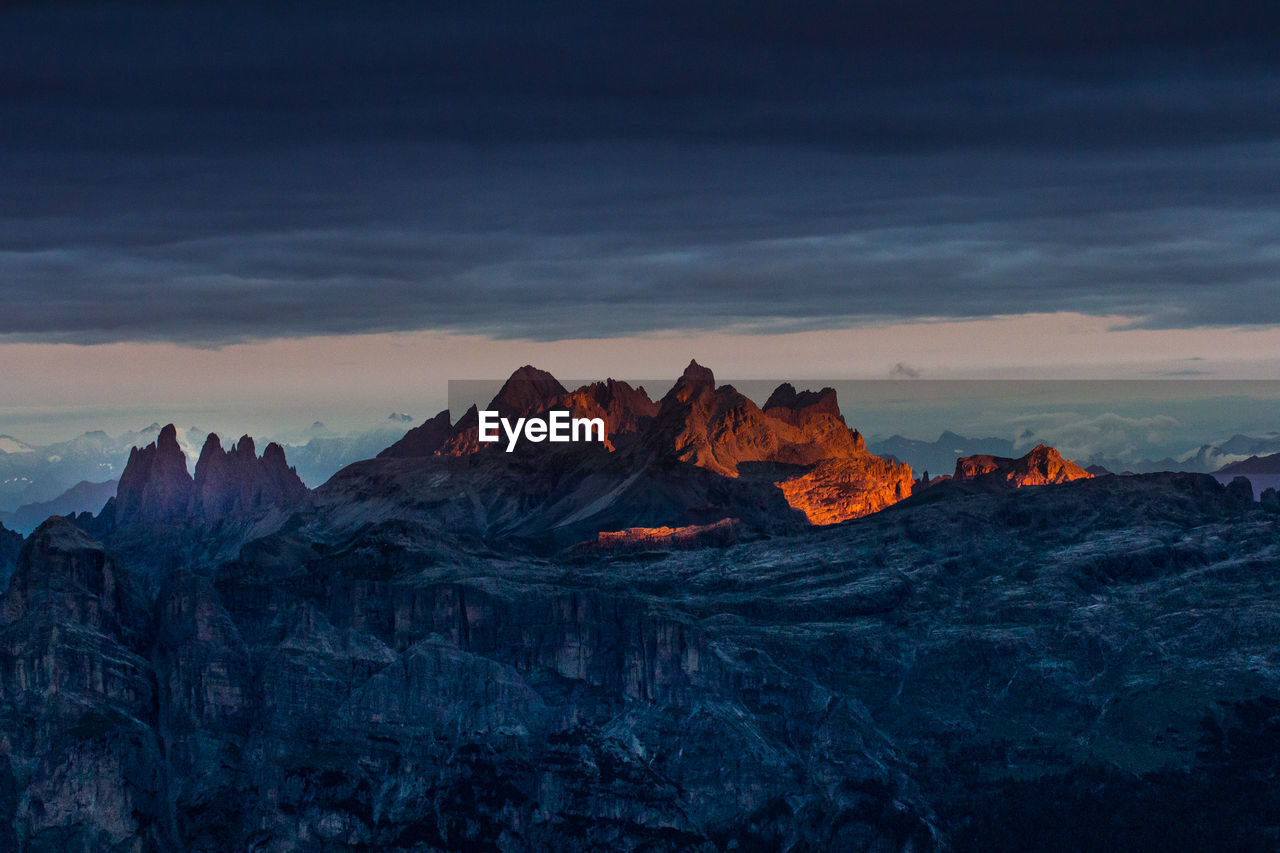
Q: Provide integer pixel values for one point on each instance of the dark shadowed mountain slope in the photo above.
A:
(426, 439)
(405, 709)
(1050, 659)
(929, 675)
(10, 545)
(83, 763)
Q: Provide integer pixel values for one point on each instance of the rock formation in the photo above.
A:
(82, 762)
(724, 431)
(527, 391)
(155, 485)
(1041, 466)
(626, 412)
(928, 676)
(238, 482)
(798, 444)
(395, 667)
(723, 532)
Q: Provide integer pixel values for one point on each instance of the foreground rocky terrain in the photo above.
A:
(648, 647)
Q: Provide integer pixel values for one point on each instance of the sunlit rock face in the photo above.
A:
(723, 532)
(626, 411)
(834, 478)
(1042, 466)
(530, 392)
(798, 442)
(836, 490)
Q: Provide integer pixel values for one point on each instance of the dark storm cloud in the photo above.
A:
(217, 172)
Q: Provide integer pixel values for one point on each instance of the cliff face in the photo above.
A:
(1041, 466)
(82, 765)
(935, 674)
(332, 697)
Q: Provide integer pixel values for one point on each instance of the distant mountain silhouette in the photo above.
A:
(82, 497)
(940, 456)
(1254, 465)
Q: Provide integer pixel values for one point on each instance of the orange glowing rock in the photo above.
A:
(722, 532)
(1042, 466)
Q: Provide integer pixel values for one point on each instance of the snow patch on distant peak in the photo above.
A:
(9, 444)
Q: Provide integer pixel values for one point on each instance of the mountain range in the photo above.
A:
(729, 627)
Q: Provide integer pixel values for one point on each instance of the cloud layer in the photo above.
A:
(208, 173)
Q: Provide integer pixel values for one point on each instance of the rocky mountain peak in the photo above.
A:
(795, 407)
(237, 481)
(1042, 465)
(695, 380)
(167, 441)
(64, 577)
(10, 545)
(155, 485)
(527, 391)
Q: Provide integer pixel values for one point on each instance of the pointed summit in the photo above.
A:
(167, 441)
(526, 392)
(237, 482)
(246, 447)
(695, 380)
(155, 485)
(696, 374)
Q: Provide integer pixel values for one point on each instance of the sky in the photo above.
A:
(282, 212)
